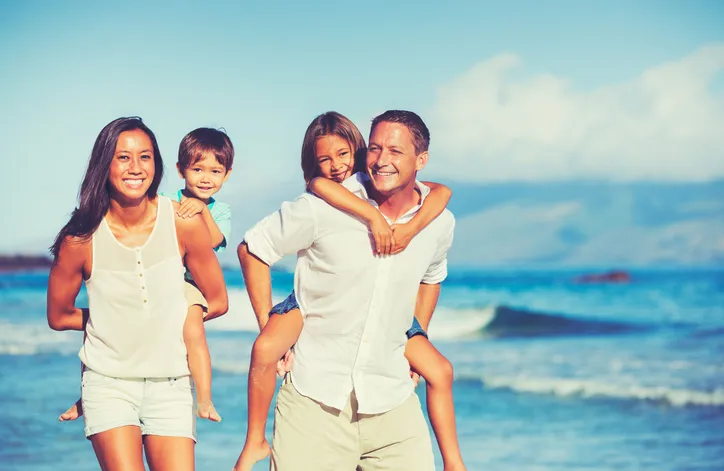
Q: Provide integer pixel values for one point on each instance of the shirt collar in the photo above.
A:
(357, 184)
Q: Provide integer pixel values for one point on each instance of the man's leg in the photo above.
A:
(311, 436)
(397, 440)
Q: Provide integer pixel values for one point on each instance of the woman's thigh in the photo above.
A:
(169, 453)
(119, 449)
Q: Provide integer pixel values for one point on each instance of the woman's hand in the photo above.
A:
(382, 233)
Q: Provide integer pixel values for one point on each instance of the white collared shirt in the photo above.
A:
(356, 306)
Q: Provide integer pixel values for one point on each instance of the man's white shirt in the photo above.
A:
(356, 305)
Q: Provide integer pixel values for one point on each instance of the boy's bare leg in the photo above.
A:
(278, 336)
(199, 362)
(438, 373)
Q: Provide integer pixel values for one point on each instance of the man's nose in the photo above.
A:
(383, 159)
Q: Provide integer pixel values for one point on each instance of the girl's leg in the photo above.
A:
(199, 362)
(278, 336)
(425, 359)
(119, 449)
(169, 453)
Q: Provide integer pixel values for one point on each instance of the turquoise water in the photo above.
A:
(550, 374)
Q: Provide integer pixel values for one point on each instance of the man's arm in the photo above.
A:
(285, 232)
(257, 277)
(427, 296)
(64, 281)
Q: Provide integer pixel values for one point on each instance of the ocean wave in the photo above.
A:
(676, 397)
(33, 339)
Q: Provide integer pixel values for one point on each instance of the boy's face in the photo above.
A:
(205, 177)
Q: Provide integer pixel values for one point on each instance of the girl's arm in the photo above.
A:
(199, 257)
(341, 198)
(66, 276)
(432, 207)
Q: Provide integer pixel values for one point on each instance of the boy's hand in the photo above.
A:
(382, 233)
(403, 234)
(190, 207)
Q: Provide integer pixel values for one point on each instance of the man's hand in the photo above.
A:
(190, 207)
(284, 365)
(415, 377)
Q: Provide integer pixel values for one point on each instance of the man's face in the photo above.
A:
(392, 163)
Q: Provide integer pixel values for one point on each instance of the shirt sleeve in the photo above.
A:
(222, 218)
(437, 271)
(285, 232)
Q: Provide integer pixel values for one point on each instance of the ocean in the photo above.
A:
(551, 374)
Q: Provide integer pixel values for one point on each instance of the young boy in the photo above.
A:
(205, 158)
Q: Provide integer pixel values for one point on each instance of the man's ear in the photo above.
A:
(421, 160)
(180, 173)
(226, 177)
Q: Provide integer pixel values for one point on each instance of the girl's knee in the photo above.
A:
(266, 349)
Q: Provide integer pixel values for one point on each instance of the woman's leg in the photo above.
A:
(199, 362)
(169, 453)
(425, 359)
(119, 449)
(278, 336)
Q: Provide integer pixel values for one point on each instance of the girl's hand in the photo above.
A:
(382, 233)
(190, 207)
(403, 234)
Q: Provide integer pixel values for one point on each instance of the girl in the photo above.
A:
(129, 247)
(331, 149)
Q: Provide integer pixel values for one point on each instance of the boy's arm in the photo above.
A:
(432, 207)
(343, 199)
(217, 237)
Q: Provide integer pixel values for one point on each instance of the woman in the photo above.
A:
(129, 247)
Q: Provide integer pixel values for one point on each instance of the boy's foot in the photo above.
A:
(206, 410)
(75, 411)
(250, 455)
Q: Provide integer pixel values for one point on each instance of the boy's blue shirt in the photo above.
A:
(220, 213)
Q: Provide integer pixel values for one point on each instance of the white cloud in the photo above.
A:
(667, 124)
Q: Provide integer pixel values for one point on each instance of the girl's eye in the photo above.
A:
(326, 159)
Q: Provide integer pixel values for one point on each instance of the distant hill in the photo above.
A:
(578, 223)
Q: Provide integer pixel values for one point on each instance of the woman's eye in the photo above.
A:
(146, 157)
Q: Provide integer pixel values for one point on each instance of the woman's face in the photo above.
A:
(335, 158)
(132, 168)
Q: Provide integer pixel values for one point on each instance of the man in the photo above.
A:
(349, 402)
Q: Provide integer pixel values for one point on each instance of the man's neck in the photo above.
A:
(396, 204)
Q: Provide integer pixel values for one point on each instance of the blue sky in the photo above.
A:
(511, 90)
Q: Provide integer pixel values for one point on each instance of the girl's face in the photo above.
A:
(335, 158)
(132, 169)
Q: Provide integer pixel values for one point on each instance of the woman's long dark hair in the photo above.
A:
(94, 197)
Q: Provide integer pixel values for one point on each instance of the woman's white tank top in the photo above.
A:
(137, 304)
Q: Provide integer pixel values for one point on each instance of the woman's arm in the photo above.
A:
(341, 198)
(201, 261)
(432, 207)
(66, 276)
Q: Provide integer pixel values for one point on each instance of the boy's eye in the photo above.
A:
(196, 169)
(217, 171)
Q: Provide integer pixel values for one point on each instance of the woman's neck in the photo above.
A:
(130, 213)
